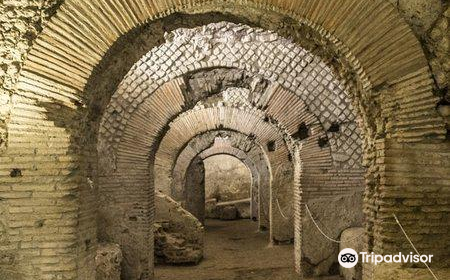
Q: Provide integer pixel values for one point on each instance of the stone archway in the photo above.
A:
(399, 73)
(251, 154)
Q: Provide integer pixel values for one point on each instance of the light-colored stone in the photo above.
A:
(226, 178)
(334, 216)
(173, 248)
(178, 234)
(352, 238)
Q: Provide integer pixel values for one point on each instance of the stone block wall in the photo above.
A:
(333, 215)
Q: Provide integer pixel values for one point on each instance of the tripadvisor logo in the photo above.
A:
(348, 258)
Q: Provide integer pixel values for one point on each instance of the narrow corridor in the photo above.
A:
(235, 250)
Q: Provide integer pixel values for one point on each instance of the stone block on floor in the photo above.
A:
(178, 234)
(228, 212)
(352, 238)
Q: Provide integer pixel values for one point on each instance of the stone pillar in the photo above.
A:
(411, 181)
(195, 189)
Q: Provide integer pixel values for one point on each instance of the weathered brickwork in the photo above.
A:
(220, 118)
(244, 148)
(48, 171)
(250, 50)
(315, 181)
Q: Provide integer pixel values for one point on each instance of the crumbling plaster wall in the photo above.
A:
(21, 21)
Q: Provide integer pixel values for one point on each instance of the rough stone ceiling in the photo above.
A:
(136, 88)
(258, 52)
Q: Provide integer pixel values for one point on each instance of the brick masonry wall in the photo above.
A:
(237, 145)
(307, 13)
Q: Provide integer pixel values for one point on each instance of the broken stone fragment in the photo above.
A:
(178, 235)
(107, 262)
(173, 248)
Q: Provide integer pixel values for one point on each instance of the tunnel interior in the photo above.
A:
(201, 139)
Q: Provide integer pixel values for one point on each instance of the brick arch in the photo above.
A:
(87, 43)
(223, 149)
(257, 52)
(199, 121)
(315, 159)
(131, 168)
(380, 45)
(251, 153)
(245, 158)
(195, 122)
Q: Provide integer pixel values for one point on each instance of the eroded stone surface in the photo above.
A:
(108, 260)
(420, 14)
(172, 248)
(352, 238)
(178, 234)
(333, 215)
(226, 178)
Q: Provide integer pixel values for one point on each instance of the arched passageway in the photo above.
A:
(338, 96)
(259, 102)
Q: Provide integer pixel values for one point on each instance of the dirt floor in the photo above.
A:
(235, 250)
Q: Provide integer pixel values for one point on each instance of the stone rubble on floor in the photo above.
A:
(172, 247)
(178, 234)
